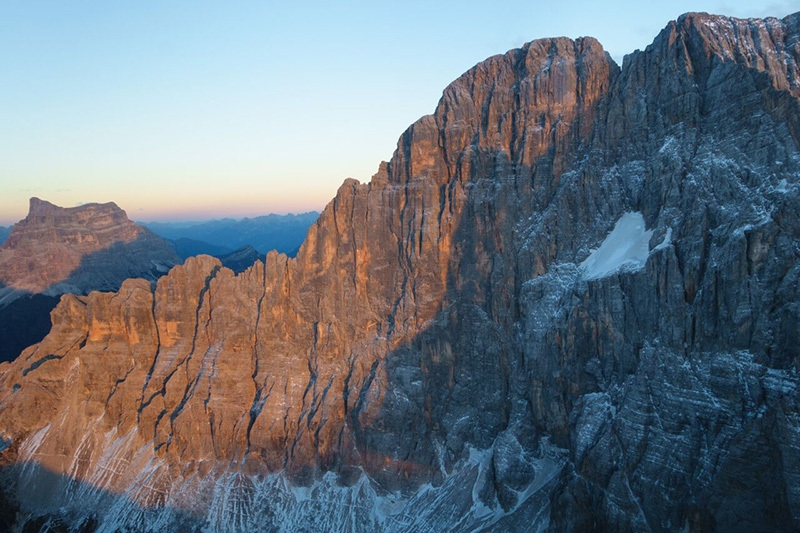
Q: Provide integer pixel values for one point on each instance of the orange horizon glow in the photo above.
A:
(192, 215)
(203, 213)
(194, 212)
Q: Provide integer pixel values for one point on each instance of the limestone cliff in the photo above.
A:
(91, 247)
(57, 250)
(569, 302)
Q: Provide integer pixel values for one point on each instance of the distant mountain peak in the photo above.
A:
(283, 233)
(39, 206)
(52, 244)
(567, 303)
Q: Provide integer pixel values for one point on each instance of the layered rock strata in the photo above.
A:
(57, 250)
(90, 247)
(569, 302)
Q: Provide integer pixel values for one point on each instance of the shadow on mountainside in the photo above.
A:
(664, 389)
(106, 269)
(621, 373)
(25, 321)
(48, 501)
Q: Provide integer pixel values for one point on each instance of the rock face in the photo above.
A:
(91, 247)
(75, 250)
(569, 302)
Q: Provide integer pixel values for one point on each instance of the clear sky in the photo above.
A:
(189, 110)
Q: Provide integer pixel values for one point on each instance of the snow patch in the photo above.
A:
(670, 145)
(666, 242)
(783, 186)
(9, 294)
(625, 249)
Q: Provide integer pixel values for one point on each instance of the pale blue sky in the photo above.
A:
(197, 109)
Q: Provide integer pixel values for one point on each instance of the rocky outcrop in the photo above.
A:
(57, 250)
(91, 247)
(569, 302)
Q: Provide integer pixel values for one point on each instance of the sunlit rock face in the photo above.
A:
(55, 250)
(569, 302)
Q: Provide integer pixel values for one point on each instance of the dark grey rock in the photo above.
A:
(440, 355)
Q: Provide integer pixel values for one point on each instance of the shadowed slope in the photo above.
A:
(439, 337)
(45, 251)
(75, 250)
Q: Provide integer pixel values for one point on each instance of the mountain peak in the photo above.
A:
(37, 204)
(768, 45)
(568, 302)
(52, 242)
(52, 223)
(95, 216)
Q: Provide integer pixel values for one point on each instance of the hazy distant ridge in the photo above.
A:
(283, 233)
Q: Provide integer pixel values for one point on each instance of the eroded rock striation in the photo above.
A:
(569, 302)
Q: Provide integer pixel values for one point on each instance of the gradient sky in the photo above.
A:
(189, 110)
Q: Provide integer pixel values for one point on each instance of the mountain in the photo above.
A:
(57, 250)
(241, 259)
(568, 303)
(91, 247)
(283, 233)
(186, 248)
(237, 260)
(4, 232)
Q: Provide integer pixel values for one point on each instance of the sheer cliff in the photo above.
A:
(90, 247)
(569, 302)
(57, 250)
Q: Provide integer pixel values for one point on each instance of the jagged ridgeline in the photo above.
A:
(568, 303)
(56, 250)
